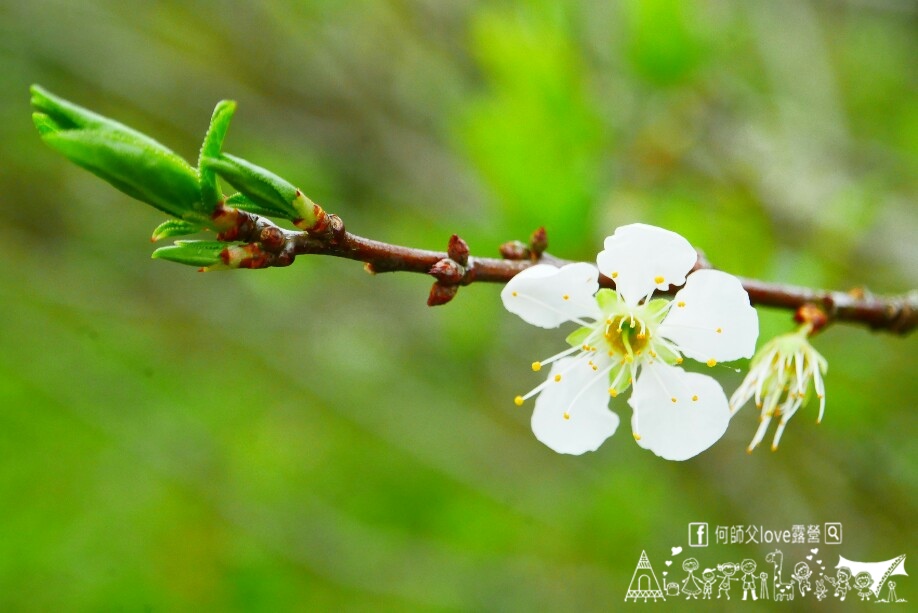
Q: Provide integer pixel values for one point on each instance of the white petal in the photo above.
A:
(583, 394)
(547, 296)
(682, 429)
(711, 318)
(642, 258)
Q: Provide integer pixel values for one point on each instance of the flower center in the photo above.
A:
(626, 335)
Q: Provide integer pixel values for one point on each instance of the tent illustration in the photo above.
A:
(878, 571)
(644, 583)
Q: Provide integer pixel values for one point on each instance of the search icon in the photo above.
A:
(833, 534)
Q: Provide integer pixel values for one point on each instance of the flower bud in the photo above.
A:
(458, 250)
(441, 294)
(447, 271)
(130, 161)
(538, 242)
(514, 250)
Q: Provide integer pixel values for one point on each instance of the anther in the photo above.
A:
(537, 366)
(513, 294)
(719, 330)
(613, 392)
(694, 398)
(614, 275)
(679, 304)
(567, 415)
(712, 362)
(518, 401)
(679, 360)
(557, 378)
(673, 399)
(636, 436)
(566, 297)
(658, 280)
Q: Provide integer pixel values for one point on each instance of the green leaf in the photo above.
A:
(175, 227)
(212, 146)
(193, 253)
(266, 189)
(130, 161)
(243, 202)
(258, 184)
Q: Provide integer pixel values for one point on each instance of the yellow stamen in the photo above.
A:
(712, 362)
(567, 415)
(673, 399)
(566, 297)
(518, 401)
(679, 360)
(680, 304)
(636, 436)
(613, 392)
(513, 294)
(719, 330)
(614, 275)
(658, 280)
(694, 398)
(537, 366)
(557, 378)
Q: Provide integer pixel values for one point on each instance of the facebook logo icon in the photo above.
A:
(698, 534)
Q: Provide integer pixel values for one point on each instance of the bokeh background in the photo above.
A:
(313, 437)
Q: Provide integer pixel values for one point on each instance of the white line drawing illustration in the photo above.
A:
(840, 582)
(862, 581)
(801, 576)
(708, 578)
(727, 570)
(891, 597)
(820, 590)
(781, 590)
(644, 582)
(690, 586)
(879, 571)
(748, 568)
(763, 586)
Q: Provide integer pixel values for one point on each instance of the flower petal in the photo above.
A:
(682, 429)
(642, 258)
(581, 394)
(547, 296)
(711, 318)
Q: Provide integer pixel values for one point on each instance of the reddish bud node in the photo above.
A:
(458, 250)
(514, 250)
(538, 242)
(441, 294)
(812, 315)
(272, 238)
(447, 271)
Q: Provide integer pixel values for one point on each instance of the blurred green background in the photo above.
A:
(313, 437)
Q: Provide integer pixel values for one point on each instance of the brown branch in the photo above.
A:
(894, 314)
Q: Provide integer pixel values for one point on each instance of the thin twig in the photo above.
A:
(894, 314)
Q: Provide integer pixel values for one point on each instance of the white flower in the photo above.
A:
(626, 338)
(779, 380)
